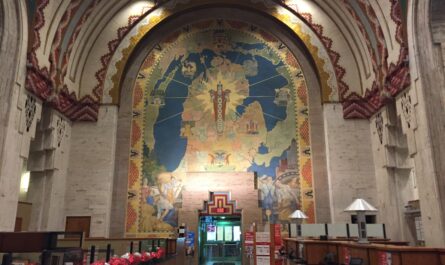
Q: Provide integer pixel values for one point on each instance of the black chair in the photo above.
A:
(329, 259)
(294, 259)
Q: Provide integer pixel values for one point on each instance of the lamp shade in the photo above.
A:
(297, 215)
(360, 205)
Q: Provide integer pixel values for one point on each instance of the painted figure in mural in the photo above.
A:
(220, 98)
(267, 189)
(287, 198)
(146, 192)
(169, 189)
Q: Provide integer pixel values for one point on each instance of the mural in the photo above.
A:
(218, 96)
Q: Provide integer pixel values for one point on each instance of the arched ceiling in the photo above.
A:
(78, 49)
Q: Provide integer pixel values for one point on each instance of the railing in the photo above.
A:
(105, 248)
(59, 247)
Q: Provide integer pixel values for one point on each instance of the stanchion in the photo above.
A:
(131, 247)
(92, 252)
(7, 259)
(107, 258)
(140, 247)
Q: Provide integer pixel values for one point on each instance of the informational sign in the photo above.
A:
(249, 243)
(385, 258)
(190, 244)
(263, 260)
(277, 235)
(262, 237)
(248, 238)
(263, 250)
(211, 228)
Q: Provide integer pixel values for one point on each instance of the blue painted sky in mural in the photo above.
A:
(170, 148)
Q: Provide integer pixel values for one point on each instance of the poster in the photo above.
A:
(248, 238)
(262, 237)
(262, 250)
(277, 235)
(263, 260)
(190, 244)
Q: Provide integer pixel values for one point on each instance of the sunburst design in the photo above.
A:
(228, 81)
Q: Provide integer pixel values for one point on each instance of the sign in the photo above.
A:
(385, 258)
(263, 250)
(263, 260)
(220, 210)
(248, 238)
(262, 237)
(211, 228)
(190, 244)
(277, 235)
(249, 251)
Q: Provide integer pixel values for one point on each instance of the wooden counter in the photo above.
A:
(315, 250)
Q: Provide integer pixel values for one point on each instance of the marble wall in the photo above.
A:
(91, 170)
(349, 161)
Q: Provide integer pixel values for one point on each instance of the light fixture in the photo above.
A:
(360, 207)
(298, 216)
(24, 181)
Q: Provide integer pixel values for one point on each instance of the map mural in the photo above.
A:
(218, 96)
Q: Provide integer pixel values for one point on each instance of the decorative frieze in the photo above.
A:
(406, 105)
(60, 129)
(30, 111)
(379, 126)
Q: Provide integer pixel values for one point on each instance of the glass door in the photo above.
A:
(220, 240)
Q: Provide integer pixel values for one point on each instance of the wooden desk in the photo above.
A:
(315, 251)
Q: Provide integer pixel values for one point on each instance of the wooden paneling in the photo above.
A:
(416, 258)
(78, 224)
(15, 242)
(315, 250)
(18, 224)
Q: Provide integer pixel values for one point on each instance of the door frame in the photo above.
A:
(202, 237)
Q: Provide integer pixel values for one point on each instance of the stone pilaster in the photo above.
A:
(48, 166)
(91, 170)
(349, 161)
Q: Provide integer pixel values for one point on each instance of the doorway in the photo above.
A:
(220, 240)
(78, 224)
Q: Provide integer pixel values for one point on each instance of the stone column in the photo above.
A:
(393, 167)
(428, 81)
(13, 140)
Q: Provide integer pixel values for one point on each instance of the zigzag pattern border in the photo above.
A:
(340, 71)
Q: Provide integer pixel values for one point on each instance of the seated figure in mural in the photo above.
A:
(147, 195)
(169, 190)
